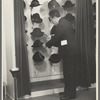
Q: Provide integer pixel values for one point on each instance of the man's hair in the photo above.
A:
(54, 13)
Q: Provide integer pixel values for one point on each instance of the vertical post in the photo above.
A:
(14, 73)
(15, 88)
(13, 37)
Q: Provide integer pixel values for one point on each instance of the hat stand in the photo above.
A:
(14, 73)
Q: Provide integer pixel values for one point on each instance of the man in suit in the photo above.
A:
(64, 39)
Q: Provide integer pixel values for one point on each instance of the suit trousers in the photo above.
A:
(69, 72)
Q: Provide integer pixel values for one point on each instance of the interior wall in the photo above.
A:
(8, 46)
(4, 65)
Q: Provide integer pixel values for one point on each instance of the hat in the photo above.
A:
(37, 33)
(68, 4)
(69, 17)
(34, 3)
(53, 4)
(94, 6)
(95, 30)
(24, 4)
(37, 43)
(54, 58)
(94, 17)
(36, 18)
(26, 31)
(38, 57)
(25, 18)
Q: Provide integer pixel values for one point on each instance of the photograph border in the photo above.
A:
(0, 50)
(97, 51)
(98, 11)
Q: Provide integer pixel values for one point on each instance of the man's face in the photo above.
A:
(53, 20)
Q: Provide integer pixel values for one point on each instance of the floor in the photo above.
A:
(81, 95)
(45, 85)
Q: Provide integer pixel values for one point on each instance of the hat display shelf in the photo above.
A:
(45, 68)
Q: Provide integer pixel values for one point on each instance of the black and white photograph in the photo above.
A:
(49, 50)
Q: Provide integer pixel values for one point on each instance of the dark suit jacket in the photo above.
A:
(64, 31)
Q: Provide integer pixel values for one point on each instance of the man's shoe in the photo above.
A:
(64, 98)
(61, 93)
(67, 98)
(87, 88)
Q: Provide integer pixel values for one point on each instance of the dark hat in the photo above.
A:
(94, 6)
(54, 13)
(69, 17)
(25, 18)
(37, 43)
(24, 4)
(37, 33)
(26, 31)
(53, 4)
(94, 17)
(34, 3)
(38, 57)
(68, 4)
(54, 58)
(36, 18)
(95, 30)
